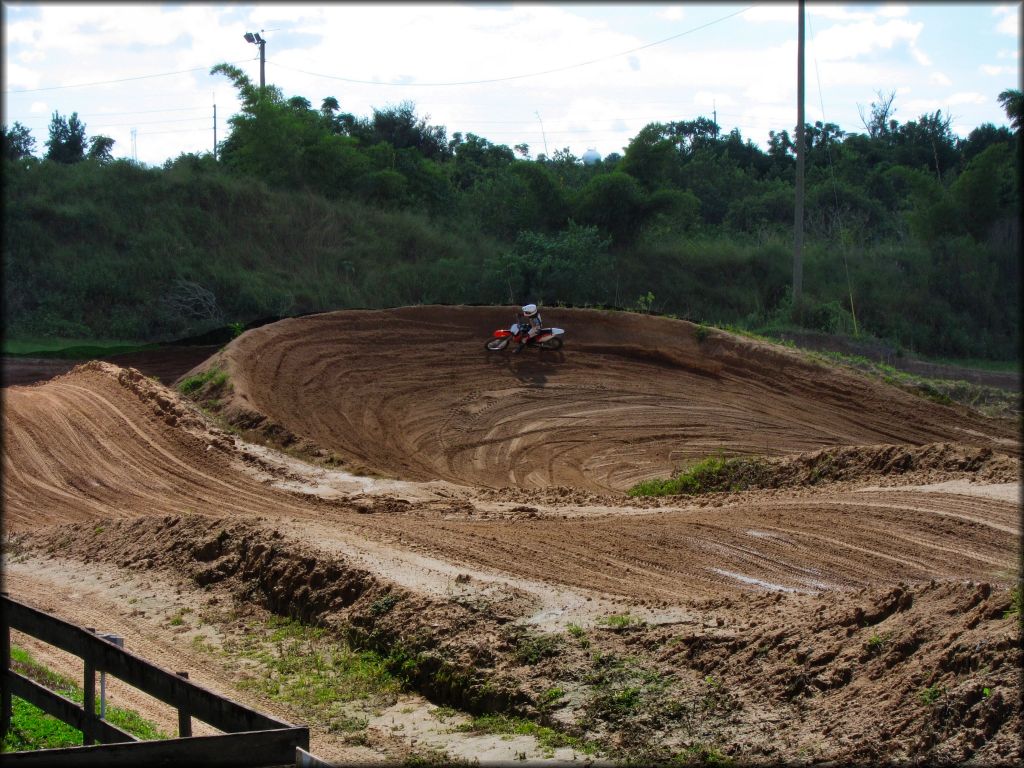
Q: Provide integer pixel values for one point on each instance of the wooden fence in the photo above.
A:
(249, 739)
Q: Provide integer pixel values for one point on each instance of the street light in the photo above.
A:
(255, 39)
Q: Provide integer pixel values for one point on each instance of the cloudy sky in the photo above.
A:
(551, 75)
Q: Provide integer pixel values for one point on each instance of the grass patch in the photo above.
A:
(876, 642)
(214, 377)
(33, 729)
(532, 649)
(384, 604)
(990, 401)
(71, 349)
(931, 694)
(1015, 605)
(305, 667)
(548, 738)
(710, 475)
(620, 621)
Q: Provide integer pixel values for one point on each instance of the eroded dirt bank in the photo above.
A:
(852, 609)
(881, 674)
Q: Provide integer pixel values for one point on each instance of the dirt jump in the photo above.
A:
(342, 457)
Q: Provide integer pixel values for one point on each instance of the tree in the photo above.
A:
(399, 127)
(614, 202)
(981, 138)
(572, 265)
(18, 142)
(67, 139)
(1012, 100)
(99, 149)
(880, 124)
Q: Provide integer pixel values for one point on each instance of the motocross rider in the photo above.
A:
(530, 320)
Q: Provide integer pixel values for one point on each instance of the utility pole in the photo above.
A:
(255, 39)
(798, 223)
(215, 130)
(543, 134)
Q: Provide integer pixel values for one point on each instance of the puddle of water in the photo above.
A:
(756, 582)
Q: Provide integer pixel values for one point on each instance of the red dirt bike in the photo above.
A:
(548, 338)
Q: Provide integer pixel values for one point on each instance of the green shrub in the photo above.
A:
(708, 476)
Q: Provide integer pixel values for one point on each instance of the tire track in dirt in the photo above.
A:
(411, 393)
(89, 446)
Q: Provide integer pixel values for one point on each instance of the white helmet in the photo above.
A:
(530, 310)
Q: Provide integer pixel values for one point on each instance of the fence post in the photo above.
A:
(117, 640)
(5, 652)
(184, 716)
(89, 697)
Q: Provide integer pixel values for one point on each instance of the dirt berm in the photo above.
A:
(412, 393)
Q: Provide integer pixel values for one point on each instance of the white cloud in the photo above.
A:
(19, 78)
(969, 97)
(993, 70)
(855, 40)
(1009, 24)
(858, 50)
(894, 11)
(770, 13)
(675, 13)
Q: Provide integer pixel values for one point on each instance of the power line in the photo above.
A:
(520, 77)
(183, 130)
(120, 80)
(148, 122)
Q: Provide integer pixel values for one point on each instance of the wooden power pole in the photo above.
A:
(798, 223)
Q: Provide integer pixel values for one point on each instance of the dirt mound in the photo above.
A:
(927, 463)
(882, 464)
(412, 393)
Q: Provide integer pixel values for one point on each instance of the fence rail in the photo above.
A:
(250, 739)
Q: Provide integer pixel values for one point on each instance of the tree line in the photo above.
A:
(911, 232)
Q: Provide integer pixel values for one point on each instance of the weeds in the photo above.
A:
(384, 604)
(304, 667)
(710, 475)
(931, 694)
(580, 634)
(532, 649)
(32, 729)
(214, 377)
(548, 738)
(1015, 605)
(877, 642)
(620, 621)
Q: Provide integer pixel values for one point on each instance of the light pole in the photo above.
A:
(255, 39)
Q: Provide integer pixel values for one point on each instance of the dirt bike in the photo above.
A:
(548, 338)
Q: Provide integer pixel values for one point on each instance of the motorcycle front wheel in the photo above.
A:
(555, 342)
(496, 345)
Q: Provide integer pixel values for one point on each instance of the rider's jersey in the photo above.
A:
(531, 324)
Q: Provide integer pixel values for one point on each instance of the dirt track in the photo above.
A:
(412, 395)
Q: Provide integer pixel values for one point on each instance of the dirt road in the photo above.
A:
(465, 436)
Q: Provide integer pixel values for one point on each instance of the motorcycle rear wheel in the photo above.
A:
(555, 342)
(496, 345)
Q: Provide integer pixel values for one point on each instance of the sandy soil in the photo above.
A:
(489, 489)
